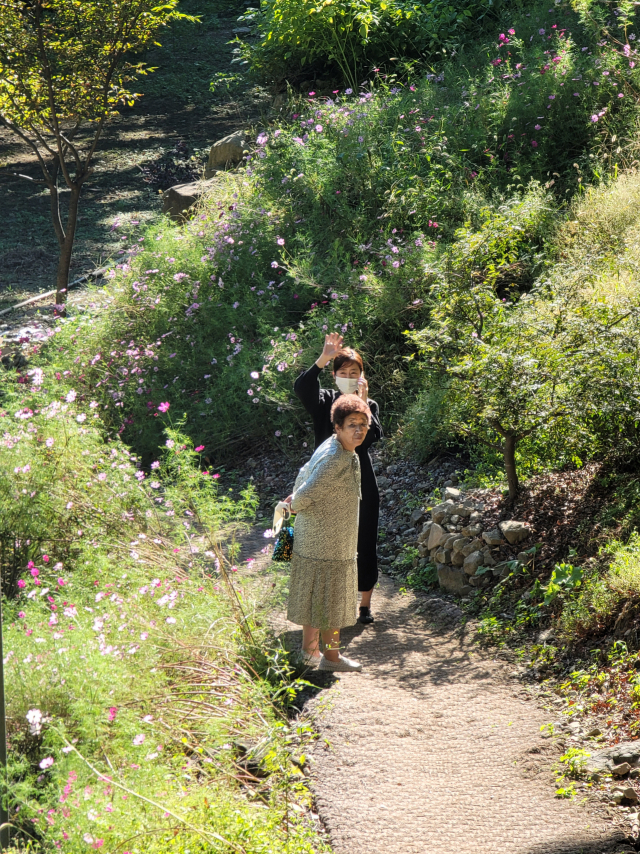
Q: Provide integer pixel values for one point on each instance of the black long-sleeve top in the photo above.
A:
(318, 402)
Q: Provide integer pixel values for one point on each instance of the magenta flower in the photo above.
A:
(199, 448)
(61, 582)
(595, 117)
(534, 143)
(21, 583)
(164, 407)
(318, 128)
(21, 615)
(47, 763)
(113, 711)
(280, 241)
(35, 572)
(139, 739)
(538, 127)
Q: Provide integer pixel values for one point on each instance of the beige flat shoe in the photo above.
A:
(342, 665)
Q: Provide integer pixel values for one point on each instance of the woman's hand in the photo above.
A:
(332, 344)
(363, 389)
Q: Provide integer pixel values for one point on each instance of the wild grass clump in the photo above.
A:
(135, 672)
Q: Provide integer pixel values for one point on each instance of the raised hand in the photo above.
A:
(332, 344)
(363, 389)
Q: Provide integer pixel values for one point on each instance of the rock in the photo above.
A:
(453, 580)
(384, 482)
(621, 770)
(441, 512)
(422, 550)
(492, 538)
(525, 558)
(459, 543)
(448, 543)
(514, 532)
(472, 546)
(594, 733)
(443, 556)
(546, 636)
(417, 516)
(451, 493)
(242, 31)
(177, 200)
(436, 536)
(488, 558)
(472, 530)
(625, 793)
(474, 517)
(605, 760)
(634, 773)
(457, 558)
(455, 519)
(472, 562)
(225, 152)
(501, 570)
(392, 469)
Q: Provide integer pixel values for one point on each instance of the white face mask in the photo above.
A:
(347, 385)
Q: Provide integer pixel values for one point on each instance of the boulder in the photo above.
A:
(177, 200)
(457, 558)
(459, 543)
(610, 757)
(437, 536)
(453, 580)
(514, 532)
(423, 551)
(472, 546)
(384, 482)
(417, 516)
(472, 562)
(489, 559)
(472, 530)
(624, 793)
(448, 543)
(492, 538)
(451, 493)
(441, 512)
(226, 152)
(443, 556)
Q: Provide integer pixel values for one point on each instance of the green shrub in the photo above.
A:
(351, 36)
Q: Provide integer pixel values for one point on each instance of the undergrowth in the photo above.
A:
(146, 708)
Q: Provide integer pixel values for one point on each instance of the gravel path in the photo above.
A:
(434, 749)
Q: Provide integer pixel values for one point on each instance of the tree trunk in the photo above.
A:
(509, 452)
(66, 249)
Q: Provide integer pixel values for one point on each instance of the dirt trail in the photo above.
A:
(435, 748)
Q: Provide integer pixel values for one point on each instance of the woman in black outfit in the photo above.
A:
(348, 372)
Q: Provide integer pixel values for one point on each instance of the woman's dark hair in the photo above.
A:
(345, 356)
(346, 405)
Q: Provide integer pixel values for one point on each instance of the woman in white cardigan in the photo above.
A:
(323, 587)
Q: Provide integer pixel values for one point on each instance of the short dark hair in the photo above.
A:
(346, 405)
(345, 356)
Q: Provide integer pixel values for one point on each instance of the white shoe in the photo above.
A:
(310, 660)
(342, 665)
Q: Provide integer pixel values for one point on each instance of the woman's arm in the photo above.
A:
(375, 430)
(307, 386)
(320, 484)
(307, 389)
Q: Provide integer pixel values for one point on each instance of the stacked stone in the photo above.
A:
(463, 553)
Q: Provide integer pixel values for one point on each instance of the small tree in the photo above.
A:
(65, 68)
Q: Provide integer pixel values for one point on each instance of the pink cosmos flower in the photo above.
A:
(280, 241)
(61, 582)
(534, 143)
(49, 443)
(47, 763)
(215, 476)
(21, 615)
(113, 711)
(35, 572)
(538, 127)
(22, 583)
(164, 407)
(200, 448)
(138, 739)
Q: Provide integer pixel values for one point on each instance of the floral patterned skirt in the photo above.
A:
(322, 593)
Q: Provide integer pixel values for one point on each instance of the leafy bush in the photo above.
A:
(350, 36)
(132, 682)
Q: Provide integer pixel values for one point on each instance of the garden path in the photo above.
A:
(434, 748)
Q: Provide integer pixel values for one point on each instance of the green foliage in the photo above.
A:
(422, 577)
(351, 36)
(565, 578)
(132, 685)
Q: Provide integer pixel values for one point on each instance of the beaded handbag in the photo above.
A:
(283, 548)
